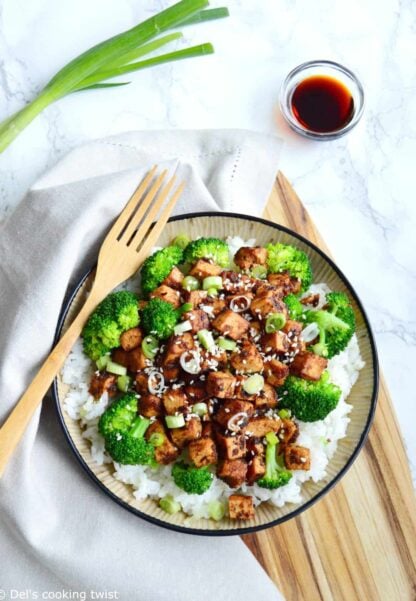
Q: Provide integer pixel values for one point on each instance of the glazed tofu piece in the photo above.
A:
(175, 346)
(275, 372)
(168, 294)
(167, 452)
(171, 372)
(297, 458)
(191, 431)
(237, 283)
(203, 452)
(231, 447)
(255, 447)
(308, 366)
(150, 405)
(207, 430)
(174, 279)
(293, 329)
(232, 471)
(248, 256)
(265, 304)
(198, 319)
(102, 382)
(137, 360)
(120, 356)
(267, 398)
(213, 361)
(247, 358)
(221, 384)
(204, 269)
(262, 425)
(288, 432)
(256, 469)
(231, 324)
(217, 305)
(240, 507)
(196, 391)
(194, 297)
(174, 401)
(141, 383)
(131, 339)
(275, 343)
(288, 284)
(312, 300)
(233, 407)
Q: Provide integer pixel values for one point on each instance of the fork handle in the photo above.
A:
(14, 427)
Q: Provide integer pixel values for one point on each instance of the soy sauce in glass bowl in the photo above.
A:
(322, 100)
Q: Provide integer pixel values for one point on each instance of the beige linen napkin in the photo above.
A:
(59, 534)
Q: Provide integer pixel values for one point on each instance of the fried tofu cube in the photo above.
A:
(221, 384)
(196, 391)
(191, 431)
(217, 360)
(308, 366)
(311, 300)
(276, 342)
(293, 329)
(231, 447)
(288, 284)
(203, 452)
(240, 507)
(262, 425)
(248, 256)
(174, 401)
(233, 407)
(247, 358)
(198, 319)
(175, 346)
(231, 324)
(275, 372)
(297, 458)
(256, 469)
(267, 398)
(207, 430)
(167, 452)
(171, 372)
(168, 294)
(255, 447)
(131, 339)
(141, 383)
(204, 269)
(174, 279)
(237, 283)
(217, 304)
(265, 304)
(195, 297)
(232, 471)
(137, 360)
(150, 405)
(120, 356)
(102, 382)
(288, 432)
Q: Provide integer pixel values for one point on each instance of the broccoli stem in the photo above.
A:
(139, 427)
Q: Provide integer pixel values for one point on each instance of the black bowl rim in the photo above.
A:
(250, 529)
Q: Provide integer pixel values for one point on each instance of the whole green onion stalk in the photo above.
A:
(117, 56)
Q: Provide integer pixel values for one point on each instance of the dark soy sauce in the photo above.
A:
(322, 104)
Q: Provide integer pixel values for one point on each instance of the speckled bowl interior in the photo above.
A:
(362, 397)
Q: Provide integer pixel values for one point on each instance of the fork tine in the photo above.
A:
(137, 217)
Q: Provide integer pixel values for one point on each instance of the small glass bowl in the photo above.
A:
(331, 69)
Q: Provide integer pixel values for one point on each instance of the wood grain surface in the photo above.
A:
(359, 541)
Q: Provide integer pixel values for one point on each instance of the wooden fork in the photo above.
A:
(124, 249)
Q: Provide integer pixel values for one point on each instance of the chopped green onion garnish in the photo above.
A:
(150, 346)
(123, 383)
(200, 409)
(226, 343)
(206, 339)
(169, 504)
(182, 241)
(184, 326)
(185, 308)
(212, 282)
(259, 271)
(190, 283)
(216, 510)
(254, 384)
(116, 368)
(174, 421)
(284, 413)
(157, 439)
(102, 361)
(275, 322)
(212, 292)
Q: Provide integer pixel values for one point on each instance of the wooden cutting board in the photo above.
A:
(359, 542)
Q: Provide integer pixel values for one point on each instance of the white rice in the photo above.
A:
(320, 437)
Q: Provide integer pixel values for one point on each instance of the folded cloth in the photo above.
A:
(58, 532)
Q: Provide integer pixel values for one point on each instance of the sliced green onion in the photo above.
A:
(102, 361)
(174, 421)
(182, 241)
(212, 282)
(190, 283)
(254, 384)
(184, 326)
(216, 510)
(116, 368)
(200, 409)
(169, 504)
(259, 271)
(157, 439)
(275, 322)
(123, 383)
(207, 15)
(185, 308)
(206, 339)
(226, 343)
(150, 346)
(212, 292)
(285, 413)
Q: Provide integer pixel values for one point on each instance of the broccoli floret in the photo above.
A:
(207, 248)
(158, 266)
(117, 313)
(284, 257)
(275, 475)
(123, 431)
(294, 306)
(159, 318)
(192, 480)
(336, 325)
(309, 401)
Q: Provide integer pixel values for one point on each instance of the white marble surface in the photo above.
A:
(359, 189)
